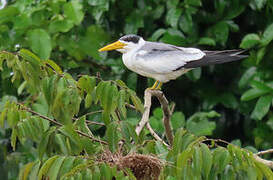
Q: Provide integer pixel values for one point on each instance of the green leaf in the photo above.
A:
(229, 100)
(69, 131)
(51, 64)
(121, 102)
(253, 93)
(73, 11)
(128, 132)
(112, 136)
(197, 161)
(40, 42)
(136, 101)
(34, 171)
(200, 125)
(13, 138)
(262, 107)
(26, 170)
(178, 120)
(221, 158)
(61, 141)
(8, 13)
(44, 142)
(99, 90)
(207, 41)
(157, 34)
(193, 2)
(61, 25)
(260, 54)
(88, 100)
(44, 169)
(267, 35)
(260, 85)
(249, 41)
(173, 16)
(186, 23)
(182, 160)
(207, 160)
(67, 165)
(247, 76)
(194, 74)
(220, 31)
(29, 56)
(55, 168)
(177, 143)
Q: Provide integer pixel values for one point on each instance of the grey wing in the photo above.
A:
(164, 58)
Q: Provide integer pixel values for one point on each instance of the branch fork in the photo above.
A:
(167, 113)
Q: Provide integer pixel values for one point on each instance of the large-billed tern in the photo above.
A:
(164, 62)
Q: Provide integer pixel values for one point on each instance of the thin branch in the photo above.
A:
(264, 161)
(153, 133)
(93, 112)
(166, 112)
(40, 115)
(94, 123)
(59, 124)
(264, 152)
(130, 106)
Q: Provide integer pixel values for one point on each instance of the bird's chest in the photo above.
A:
(129, 60)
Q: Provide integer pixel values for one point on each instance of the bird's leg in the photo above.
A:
(154, 86)
(159, 86)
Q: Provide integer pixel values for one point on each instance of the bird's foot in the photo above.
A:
(157, 86)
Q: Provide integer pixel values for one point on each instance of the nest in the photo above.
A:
(144, 167)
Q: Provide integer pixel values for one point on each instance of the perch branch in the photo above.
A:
(166, 113)
(59, 124)
(145, 115)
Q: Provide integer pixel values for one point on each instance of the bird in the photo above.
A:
(164, 62)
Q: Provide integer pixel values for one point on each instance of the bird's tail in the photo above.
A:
(217, 57)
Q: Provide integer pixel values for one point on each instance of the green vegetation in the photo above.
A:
(65, 108)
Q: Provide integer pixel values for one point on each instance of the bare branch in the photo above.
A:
(94, 123)
(153, 133)
(264, 161)
(59, 124)
(265, 152)
(146, 113)
(166, 112)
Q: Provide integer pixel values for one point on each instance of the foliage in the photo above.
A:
(61, 138)
(232, 101)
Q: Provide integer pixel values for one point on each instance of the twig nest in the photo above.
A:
(144, 167)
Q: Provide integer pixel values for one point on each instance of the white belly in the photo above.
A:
(129, 61)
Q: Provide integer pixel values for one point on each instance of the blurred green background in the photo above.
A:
(230, 101)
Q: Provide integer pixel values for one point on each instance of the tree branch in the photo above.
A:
(153, 133)
(166, 113)
(146, 113)
(264, 161)
(265, 152)
(59, 124)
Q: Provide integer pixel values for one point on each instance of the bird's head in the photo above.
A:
(125, 44)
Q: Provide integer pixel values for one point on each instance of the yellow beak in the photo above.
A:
(113, 46)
